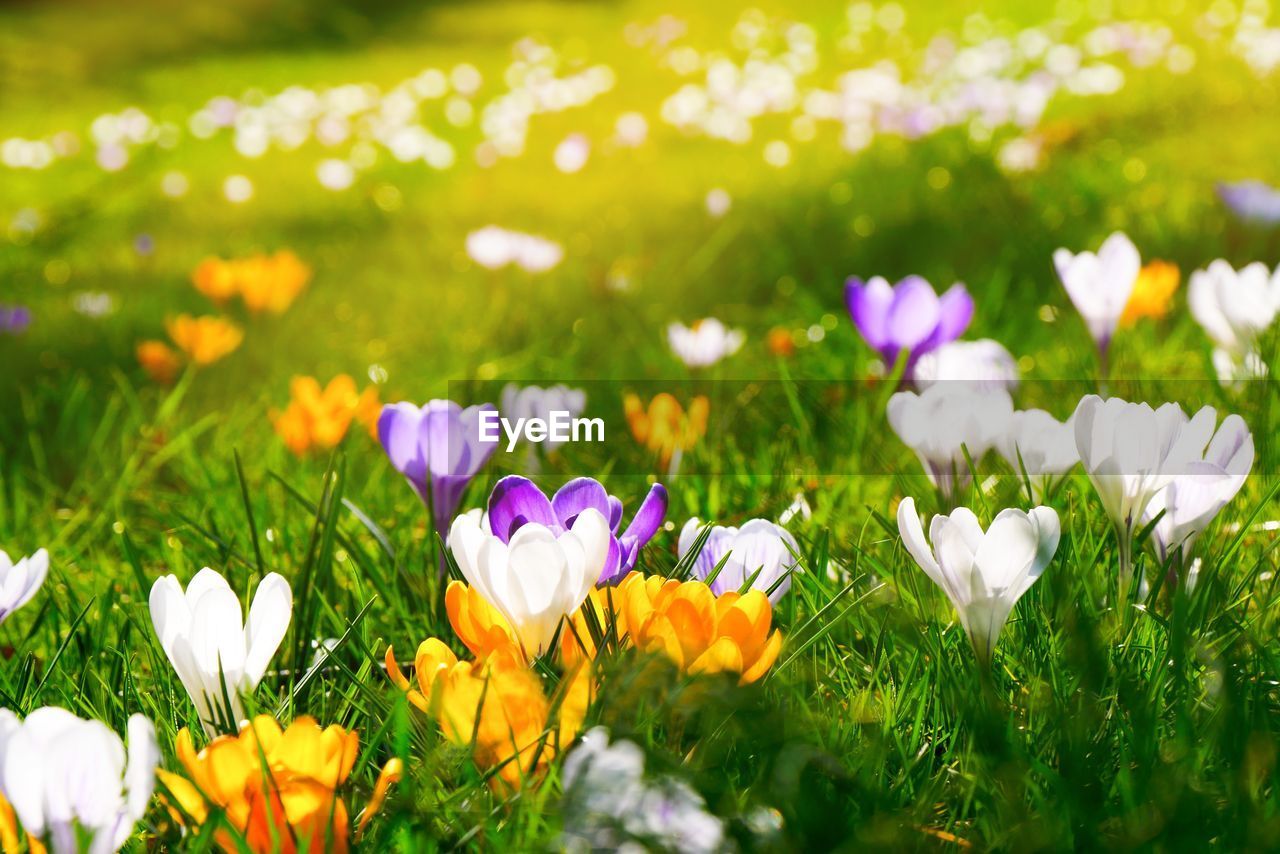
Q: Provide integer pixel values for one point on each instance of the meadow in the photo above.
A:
(452, 201)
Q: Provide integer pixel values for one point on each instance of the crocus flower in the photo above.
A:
(272, 282)
(275, 787)
(983, 363)
(944, 421)
(216, 654)
(480, 626)
(537, 402)
(1152, 293)
(1130, 452)
(159, 361)
(497, 707)
(780, 343)
(318, 418)
(14, 319)
(204, 340)
(611, 805)
(983, 573)
(758, 546)
(1252, 201)
(1100, 284)
(698, 631)
(216, 279)
(665, 427)
(1211, 479)
(437, 448)
(20, 581)
(908, 316)
(493, 247)
(539, 573)
(516, 501)
(704, 343)
(1234, 307)
(70, 782)
(1040, 445)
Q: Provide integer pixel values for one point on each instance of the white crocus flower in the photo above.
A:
(760, 548)
(984, 362)
(1234, 306)
(1100, 284)
(1194, 498)
(984, 574)
(1045, 445)
(216, 655)
(946, 420)
(705, 343)
(20, 581)
(1130, 452)
(69, 779)
(537, 578)
(537, 402)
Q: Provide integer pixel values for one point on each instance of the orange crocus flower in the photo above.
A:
(780, 343)
(1152, 293)
(699, 631)
(320, 417)
(204, 340)
(278, 789)
(664, 426)
(497, 707)
(479, 626)
(159, 360)
(216, 279)
(264, 282)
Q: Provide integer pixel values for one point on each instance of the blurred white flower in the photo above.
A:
(984, 574)
(335, 174)
(493, 248)
(70, 782)
(704, 343)
(1100, 284)
(572, 153)
(94, 303)
(631, 130)
(215, 653)
(1234, 307)
(20, 581)
(537, 402)
(718, 202)
(610, 805)
(985, 363)
(944, 421)
(237, 189)
(1045, 446)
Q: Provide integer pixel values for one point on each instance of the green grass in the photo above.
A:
(1153, 729)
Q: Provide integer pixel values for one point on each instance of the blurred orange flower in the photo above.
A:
(699, 631)
(204, 340)
(265, 282)
(665, 427)
(496, 707)
(780, 343)
(1152, 293)
(320, 418)
(278, 789)
(159, 360)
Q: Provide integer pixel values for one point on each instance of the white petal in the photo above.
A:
(269, 617)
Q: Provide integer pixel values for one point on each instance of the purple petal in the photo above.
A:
(516, 501)
(478, 452)
(955, 312)
(615, 513)
(398, 431)
(577, 495)
(915, 313)
(868, 305)
(614, 569)
(647, 521)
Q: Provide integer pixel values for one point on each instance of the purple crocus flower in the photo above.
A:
(907, 316)
(14, 319)
(1252, 201)
(437, 448)
(517, 500)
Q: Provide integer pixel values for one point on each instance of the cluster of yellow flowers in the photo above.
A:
(665, 427)
(277, 789)
(264, 282)
(320, 417)
(496, 704)
(199, 341)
